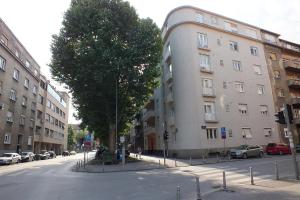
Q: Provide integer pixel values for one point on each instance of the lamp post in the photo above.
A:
(116, 130)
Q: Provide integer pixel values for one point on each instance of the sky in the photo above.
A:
(35, 21)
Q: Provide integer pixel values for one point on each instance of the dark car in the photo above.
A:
(297, 148)
(278, 148)
(44, 155)
(27, 156)
(66, 153)
(119, 153)
(52, 154)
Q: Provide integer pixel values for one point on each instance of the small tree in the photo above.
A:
(71, 137)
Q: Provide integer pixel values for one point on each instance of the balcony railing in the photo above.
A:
(294, 83)
(289, 65)
(208, 92)
(206, 69)
(210, 117)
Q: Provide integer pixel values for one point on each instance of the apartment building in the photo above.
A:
(52, 119)
(283, 58)
(19, 80)
(215, 81)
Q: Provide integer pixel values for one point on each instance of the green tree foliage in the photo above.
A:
(104, 45)
(71, 137)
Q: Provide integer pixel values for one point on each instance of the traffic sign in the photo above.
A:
(223, 132)
(122, 139)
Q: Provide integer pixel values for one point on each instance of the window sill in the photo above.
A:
(204, 48)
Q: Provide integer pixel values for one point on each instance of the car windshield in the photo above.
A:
(242, 147)
(24, 154)
(7, 155)
(271, 145)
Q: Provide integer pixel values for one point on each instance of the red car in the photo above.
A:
(278, 148)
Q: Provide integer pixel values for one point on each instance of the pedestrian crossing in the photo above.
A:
(233, 175)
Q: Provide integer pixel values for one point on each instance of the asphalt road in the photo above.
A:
(54, 180)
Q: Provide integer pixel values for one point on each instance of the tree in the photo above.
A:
(104, 48)
(70, 138)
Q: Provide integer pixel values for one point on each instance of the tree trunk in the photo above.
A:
(112, 139)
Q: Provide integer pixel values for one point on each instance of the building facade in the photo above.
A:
(19, 79)
(52, 119)
(283, 58)
(215, 82)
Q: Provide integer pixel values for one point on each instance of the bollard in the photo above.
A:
(159, 163)
(251, 176)
(198, 189)
(218, 159)
(224, 181)
(175, 163)
(102, 166)
(276, 171)
(178, 193)
(203, 159)
(190, 160)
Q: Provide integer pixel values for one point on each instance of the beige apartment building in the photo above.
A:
(19, 80)
(52, 119)
(283, 58)
(215, 80)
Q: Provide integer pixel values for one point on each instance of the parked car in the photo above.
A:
(10, 158)
(27, 156)
(245, 151)
(66, 153)
(73, 153)
(52, 154)
(44, 155)
(297, 148)
(278, 148)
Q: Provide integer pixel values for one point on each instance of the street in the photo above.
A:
(54, 180)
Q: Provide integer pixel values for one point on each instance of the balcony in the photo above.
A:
(208, 92)
(296, 102)
(170, 98)
(210, 117)
(171, 121)
(168, 77)
(294, 83)
(292, 66)
(206, 69)
(148, 130)
(149, 115)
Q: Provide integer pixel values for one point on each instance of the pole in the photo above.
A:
(164, 153)
(251, 176)
(116, 119)
(224, 181)
(291, 140)
(178, 193)
(198, 189)
(190, 160)
(123, 153)
(276, 170)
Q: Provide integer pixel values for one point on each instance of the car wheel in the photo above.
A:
(280, 153)
(245, 156)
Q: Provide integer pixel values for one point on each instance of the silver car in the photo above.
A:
(10, 158)
(245, 151)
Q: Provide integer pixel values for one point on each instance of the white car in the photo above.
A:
(10, 158)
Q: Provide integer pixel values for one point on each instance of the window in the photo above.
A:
(257, 69)
(202, 40)
(264, 110)
(214, 20)
(26, 83)
(231, 27)
(4, 40)
(199, 18)
(17, 53)
(237, 66)
(243, 109)
(251, 33)
(246, 133)
(41, 99)
(233, 46)
(273, 56)
(9, 116)
(280, 93)
(16, 74)
(27, 64)
(2, 63)
(230, 133)
(277, 74)
(13, 95)
(207, 83)
(286, 132)
(7, 138)
(209, 110)
(51, 120)
(224, 85)
(254, 51)
(204, 62)
(56, 122)
(35, 72)
(1, 87)
(270, 38)
(31, 123)
(260, 89)
(240, 86)
(221, 62)
(227, 108)
(34, 90)
(33, 106)
(22, 120)
(267, 132)
(24, 101)
(29, 141)
(211, 133)
(48, 103)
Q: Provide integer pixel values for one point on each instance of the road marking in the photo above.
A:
(16, 173)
